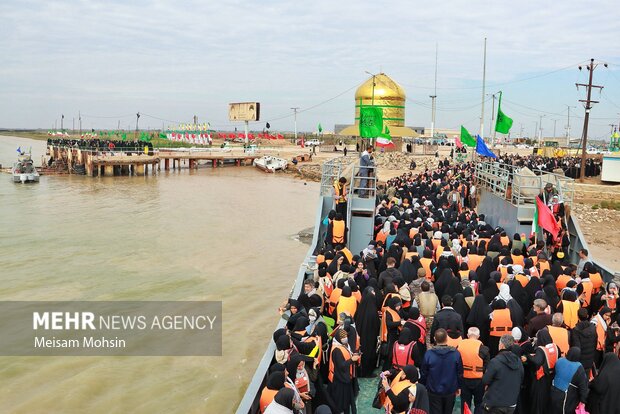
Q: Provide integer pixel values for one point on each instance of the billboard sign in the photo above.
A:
(244, 111)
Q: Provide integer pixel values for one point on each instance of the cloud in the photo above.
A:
(177, 59)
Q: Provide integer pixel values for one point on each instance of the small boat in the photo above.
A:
(270, 164)
(24, 170)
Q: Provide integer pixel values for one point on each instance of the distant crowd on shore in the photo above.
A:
(97, 144)
(441, 305)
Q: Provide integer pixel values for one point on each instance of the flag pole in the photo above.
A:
(484, 76)
(499, 104)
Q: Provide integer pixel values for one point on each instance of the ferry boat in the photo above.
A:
(506, 195)
(24, 170)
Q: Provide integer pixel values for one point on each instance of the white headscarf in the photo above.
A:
(504, 293)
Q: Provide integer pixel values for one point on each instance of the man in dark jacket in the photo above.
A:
(540, 320)
(448, 319)
(387, 276)
(441, 373)
(503, 379)
(584, 337)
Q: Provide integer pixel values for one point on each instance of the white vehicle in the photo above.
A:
(313, 142)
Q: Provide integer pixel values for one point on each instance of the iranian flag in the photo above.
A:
(543, 218)
(384, 140)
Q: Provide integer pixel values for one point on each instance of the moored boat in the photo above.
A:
(24, 170)
(270, 164)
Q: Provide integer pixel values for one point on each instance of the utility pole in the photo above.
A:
(433, 96)
(137, 119)
(540, 129)
(588, 101)
(62, 123)
(520, 131)
(484, 78)
(73, 127)
(554, 122)
(295, 112)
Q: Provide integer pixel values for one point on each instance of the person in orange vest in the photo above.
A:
(595, 277)
(404, 393)
(559, 334)
(584, 290)
(275, 382)
(341, 373)
(299, 378)
(406, 351)
(339, 231)
(475, 357)
(601, 321)
(500, 324)
(543, 363)
(611, 296)
(391, 323)
(340, 195)
(347, 304)
(569, 307)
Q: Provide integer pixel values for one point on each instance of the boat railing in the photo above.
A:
(513, 184)
(333, 170)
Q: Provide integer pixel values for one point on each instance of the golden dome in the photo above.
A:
(388, 95)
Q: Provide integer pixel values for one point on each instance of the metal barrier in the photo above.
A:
(333, 170)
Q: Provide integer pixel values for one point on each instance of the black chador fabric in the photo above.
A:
(604, 395)
(367, 323)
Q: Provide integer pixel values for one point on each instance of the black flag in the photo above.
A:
(268, 126)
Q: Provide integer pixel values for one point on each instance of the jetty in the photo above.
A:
(112, 162)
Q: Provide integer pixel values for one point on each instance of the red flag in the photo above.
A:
(546, 219)
(466, 409)
(458, 142)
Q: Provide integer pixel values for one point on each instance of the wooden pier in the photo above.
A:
(102, 163)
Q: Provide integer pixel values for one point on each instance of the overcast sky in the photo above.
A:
(172, 60)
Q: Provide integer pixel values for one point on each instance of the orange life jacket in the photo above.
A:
(320, 258)
(587, 293)
(438, 252)
(386, 298)
(301, 383)
(517, 259)
(338, 231)
(559, 337)
(401, 355)
(551, 357)
(470, 354)
(464, 274)
(346, 305)
(381, 237)
(501, 323)
(474, 261)
(384, 329)
(436, 243)
(601, 334)
(333, 299)
(317, 351)
(597, 282)
(266, 398)
(570, 310)
(347, 253)
(426, 264)
(454, 342)
(543, 265)
(412, 232)
(347, 356)
(399, 383)
(421, 324)
(505, 241)
(504, 272)
(611, 303)
(561, 282)
(522, 279)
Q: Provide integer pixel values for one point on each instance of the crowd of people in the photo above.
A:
(571, 166)
(441, 304)
(96, 144)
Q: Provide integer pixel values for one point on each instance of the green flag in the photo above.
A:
(503, 123)
(466, 138)
(124, 136)
(371, 121)
(320, 128)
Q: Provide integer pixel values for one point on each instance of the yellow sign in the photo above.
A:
(244, 111)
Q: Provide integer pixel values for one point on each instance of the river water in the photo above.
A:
(210, 234)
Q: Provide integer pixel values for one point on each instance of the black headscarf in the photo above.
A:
(442, 282)
(411, 373)
(543, 338)
(285, 397)
(479, 313)
(405, 337)
(408, 271)
(283, 343)
(605, 387)
(275, 381)
(460, 306)
(484, 271)
(573, 354)
(291, 365)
